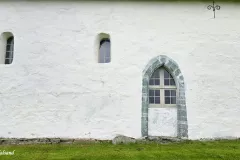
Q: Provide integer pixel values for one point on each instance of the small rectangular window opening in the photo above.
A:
(9, 50)
(104, 50)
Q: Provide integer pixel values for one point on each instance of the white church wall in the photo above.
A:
(162, 122)
(56, 88)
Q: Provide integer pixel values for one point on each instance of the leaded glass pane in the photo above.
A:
(170, 96)
(166, 74)
(172, 82)
(157, 100)
(173, 93)
(157, 81)
(173, 100)
(151, 82)
(104, 51)
(9, 50)
(166, 82)
(167, 100)
(168, 79)
(167, 93)
(154, 96)
(157, 92)
(151, 100)
(151, 93)
(8, 47)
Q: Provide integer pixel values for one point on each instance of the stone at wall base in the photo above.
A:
(120, 139)
(19, 141)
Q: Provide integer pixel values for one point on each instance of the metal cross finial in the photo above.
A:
(217, 7)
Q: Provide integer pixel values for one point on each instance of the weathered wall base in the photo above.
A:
(13, 141)
(116, 140)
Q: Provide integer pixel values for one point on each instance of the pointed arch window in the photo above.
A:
(169, 95)
(9, 50)
(162, 89)
(104, 51)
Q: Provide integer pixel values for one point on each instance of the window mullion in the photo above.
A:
(161, 78)
(162, 97)
(162, 87)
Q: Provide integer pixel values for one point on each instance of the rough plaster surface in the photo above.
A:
(56, 88)
(162, 122)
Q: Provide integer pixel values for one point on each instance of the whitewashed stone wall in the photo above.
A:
(56, 88)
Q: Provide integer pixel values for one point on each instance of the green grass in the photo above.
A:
(190, 150)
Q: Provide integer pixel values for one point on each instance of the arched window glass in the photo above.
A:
(162, 89)
(9, 50)
(104, 51)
